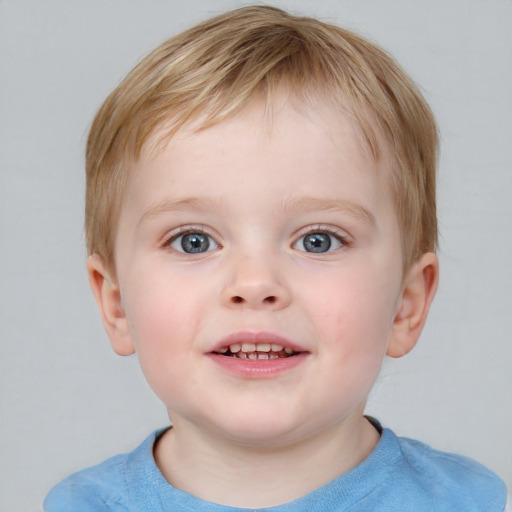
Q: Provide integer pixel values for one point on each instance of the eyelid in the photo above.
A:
(323, 228)
(171, 236)
(337, 233)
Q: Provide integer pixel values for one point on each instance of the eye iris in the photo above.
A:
(317, 242)
(195, 242)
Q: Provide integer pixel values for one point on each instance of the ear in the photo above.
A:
(418, 290)
(107, 295)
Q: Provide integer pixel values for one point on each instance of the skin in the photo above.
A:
(256, 189)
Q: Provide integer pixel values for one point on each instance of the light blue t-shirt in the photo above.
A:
(399, 475)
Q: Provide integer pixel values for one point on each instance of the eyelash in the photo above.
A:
(185, 230)
(342, 238)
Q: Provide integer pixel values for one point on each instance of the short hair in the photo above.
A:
(219, 66)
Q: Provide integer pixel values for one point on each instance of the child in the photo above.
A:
(261, 225)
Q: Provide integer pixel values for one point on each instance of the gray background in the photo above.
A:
(67, 401)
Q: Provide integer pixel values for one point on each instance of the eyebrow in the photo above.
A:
(344, 206)
(181, 204)
(291, 205)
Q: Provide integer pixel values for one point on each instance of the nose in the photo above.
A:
(255, 283)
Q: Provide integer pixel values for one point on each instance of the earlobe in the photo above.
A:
(419, 288)
(108, 297)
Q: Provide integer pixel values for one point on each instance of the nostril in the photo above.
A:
(271, 299)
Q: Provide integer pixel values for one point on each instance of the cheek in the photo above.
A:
(355, 316)
(162, 322)
(155, 300)
(356, 331)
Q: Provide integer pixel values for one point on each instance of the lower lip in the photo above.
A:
(258, 368)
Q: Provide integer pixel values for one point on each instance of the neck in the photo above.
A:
(243, 476)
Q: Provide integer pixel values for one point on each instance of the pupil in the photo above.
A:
(317, 242)
(195, 242)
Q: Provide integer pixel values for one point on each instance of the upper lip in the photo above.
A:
(256, 337)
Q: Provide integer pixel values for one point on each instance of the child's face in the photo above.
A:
(279, 234)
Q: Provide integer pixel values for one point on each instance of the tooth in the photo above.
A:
(263, 347)
(252, 355)
(242, 355)
(248, 347)
(262, 356)
(235, 348)
(276, 347)
(223, 350)
(288, 350)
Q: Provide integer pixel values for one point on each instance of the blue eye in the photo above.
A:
(318, 242)
(194, 243)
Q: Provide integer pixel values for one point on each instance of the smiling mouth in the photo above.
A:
(255, 351)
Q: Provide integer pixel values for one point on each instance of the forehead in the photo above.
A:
(294, 149)
(265, 118)
(282, 133)
(266, 108)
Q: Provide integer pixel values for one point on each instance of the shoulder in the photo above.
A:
(99, 488)
(452, 480)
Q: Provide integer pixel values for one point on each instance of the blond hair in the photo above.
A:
(217, 67)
